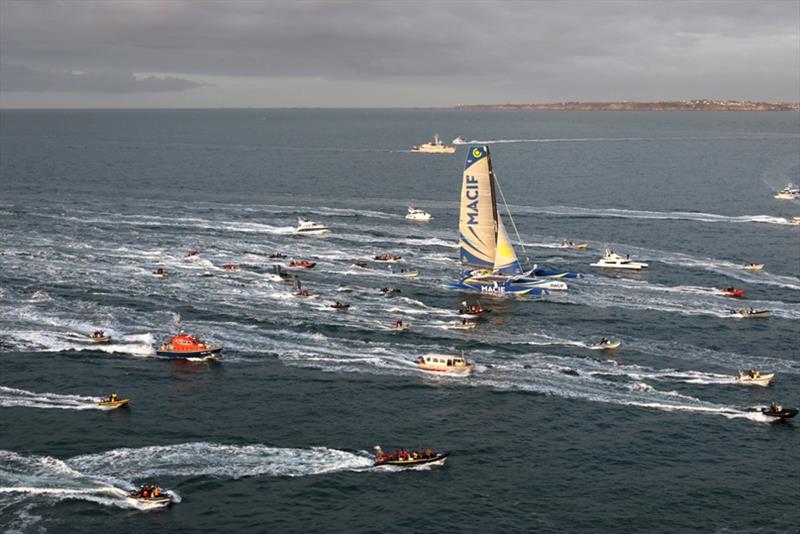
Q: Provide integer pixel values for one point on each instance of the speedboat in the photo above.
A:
(113, 402)
(754, 378)
(400, 326)
(607, 344)
(779, 412)
(753, 267)
(416, 214)
(795, 220)
(388, 258)
(446, 363)
(301, 264)
(472, 312)
(340, 306)
(436, 146)
(458, 141)
(231, 267)
(574, 246)
(750, 313)
(403, 458)
(612, 260)
(98, 336)
(160, 273)
(183, 345)
(732, 292)
(144, 495)
(790, 192)
(307, 227)
(277, 256)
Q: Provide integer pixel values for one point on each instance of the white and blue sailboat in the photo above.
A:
(483, 240)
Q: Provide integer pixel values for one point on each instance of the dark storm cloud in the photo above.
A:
(23, 78)
(562, 49)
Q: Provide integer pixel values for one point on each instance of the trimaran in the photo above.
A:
(484, 243)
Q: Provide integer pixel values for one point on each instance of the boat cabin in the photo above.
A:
(444, 362)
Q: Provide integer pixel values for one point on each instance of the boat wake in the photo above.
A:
(12, 397)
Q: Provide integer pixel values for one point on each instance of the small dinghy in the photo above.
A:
(404, 458)
(301, 264)
(732, 292)
(160, 273)
(277, 256)
(754, 377)
(607, 344)
(231, 267)
(750, 313)
(754, 267)
(779, 412)
(340, 306)
(388, 258)
(192, 254)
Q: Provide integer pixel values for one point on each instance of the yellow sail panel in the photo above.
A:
(476, 225)
(505, 259)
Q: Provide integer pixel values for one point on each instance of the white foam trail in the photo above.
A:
(628, 139)
(12, 397)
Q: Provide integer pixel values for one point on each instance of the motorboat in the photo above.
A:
(435, 146)
(464, 325)
(400, 326)
(277, 256)
(403, 458)
(795, 220)
(150, 496)
(388, 258)
(416, 214)
(607, 344)
(307, 227)
(732, 292)
(790, 192)
(472, 311)
(754, 267)
(408, 275)
(750, 313)
(191, 254)
(98, 337)
(779, 412)
(160, 273)
(113, 402)
(612, 260)
(574, 246)
(304, 294)
(388, 290)
(340, 306)
(445, 363)
(183, 345)
(754, 377)
(231, 267)
(301, 264)
(459, 141)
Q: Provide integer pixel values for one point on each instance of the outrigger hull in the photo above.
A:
(494, 288)
(549, 273)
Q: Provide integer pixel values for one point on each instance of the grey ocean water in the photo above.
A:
(547, 436)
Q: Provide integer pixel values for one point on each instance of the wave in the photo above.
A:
(630, 139)
(12, 397)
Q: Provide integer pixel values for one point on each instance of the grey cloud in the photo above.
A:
(24, 78)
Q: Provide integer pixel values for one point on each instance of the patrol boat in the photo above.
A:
(436, 146)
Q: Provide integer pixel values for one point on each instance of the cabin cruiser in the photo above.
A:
(755, 267)
(436, 146)
(754, 377)
(183, 345)
(749, 313)
(307, 227)
(446, 363)
(404, 458)
(612, 260)
(150, 494)
(790, 192)
(416, 214)
(779, 412)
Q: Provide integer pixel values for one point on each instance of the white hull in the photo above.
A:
(631, 266)
(421, 217)
(762, 380)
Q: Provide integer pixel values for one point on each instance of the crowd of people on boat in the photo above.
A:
(402, 455)
(148, 491)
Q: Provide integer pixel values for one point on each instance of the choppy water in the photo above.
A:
(548, 435)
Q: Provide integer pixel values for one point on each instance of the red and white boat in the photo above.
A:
(183, 345)
(301, 264)
(733, 292)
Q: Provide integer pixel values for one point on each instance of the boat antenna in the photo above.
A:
(511, 218)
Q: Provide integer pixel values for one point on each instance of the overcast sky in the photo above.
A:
(196, 53)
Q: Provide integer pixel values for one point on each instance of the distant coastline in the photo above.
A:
(676, 105)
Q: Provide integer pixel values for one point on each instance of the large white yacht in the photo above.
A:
(790, 192)
(304, 226)
(611, 260)
(434, 147)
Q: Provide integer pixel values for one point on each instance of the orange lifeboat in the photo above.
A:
(183, 345)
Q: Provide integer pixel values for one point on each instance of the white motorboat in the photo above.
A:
(307, 227)
(790, 192)
(459, 141)
(754, 378)
(434, 147)
(612, 260)
(795, 220)
(446, 363)
(416, 214)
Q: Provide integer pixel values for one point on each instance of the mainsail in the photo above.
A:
(478, 217)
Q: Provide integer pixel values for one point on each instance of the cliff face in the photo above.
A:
(681, 105)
